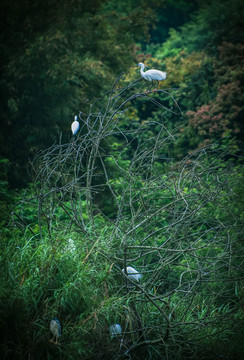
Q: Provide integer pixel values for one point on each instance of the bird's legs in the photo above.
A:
(156, 88)
(55, 342)
(150, 88)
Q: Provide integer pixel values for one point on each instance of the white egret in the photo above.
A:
(75, 126)
(152, 74)
(115, 330)
(55, 328)
(132, 273)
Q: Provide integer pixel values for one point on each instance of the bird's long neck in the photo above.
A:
(142, 72)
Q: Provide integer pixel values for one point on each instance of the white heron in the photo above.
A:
(152, 74)
(132, 273)
(55, 328)
(75, 125)
(115, 330)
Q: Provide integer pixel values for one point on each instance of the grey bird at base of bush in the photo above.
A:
(55, 328)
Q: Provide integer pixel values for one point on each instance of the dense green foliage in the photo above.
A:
(152, 180)
(72, 55)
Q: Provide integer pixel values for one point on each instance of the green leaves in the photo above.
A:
(74, 55)
(121, 192)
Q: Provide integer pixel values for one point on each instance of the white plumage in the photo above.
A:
(75, 126)
(152, 74)
(133, 273)
(115, 330)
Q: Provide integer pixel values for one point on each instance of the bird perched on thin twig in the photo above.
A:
(55, 328)
(132, 273)
(75, 125)
(152, 74)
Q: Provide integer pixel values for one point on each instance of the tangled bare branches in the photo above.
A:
(177, 227)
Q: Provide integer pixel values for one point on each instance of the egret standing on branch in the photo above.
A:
(132, 273)
(75, 126)
(152, 74)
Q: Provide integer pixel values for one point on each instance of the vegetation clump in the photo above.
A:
(151, 180)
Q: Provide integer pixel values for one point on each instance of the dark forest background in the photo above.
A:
(152, 180)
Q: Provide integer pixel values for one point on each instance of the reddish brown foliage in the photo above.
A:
(221, 116)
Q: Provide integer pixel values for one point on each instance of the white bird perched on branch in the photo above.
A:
(152, 74)
(132, 273)
(75, 126)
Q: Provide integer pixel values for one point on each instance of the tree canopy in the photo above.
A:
(152, 180)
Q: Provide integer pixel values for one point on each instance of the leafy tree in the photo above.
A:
(222, 116)
(203, 60)
(72, 55)
(212, 24)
